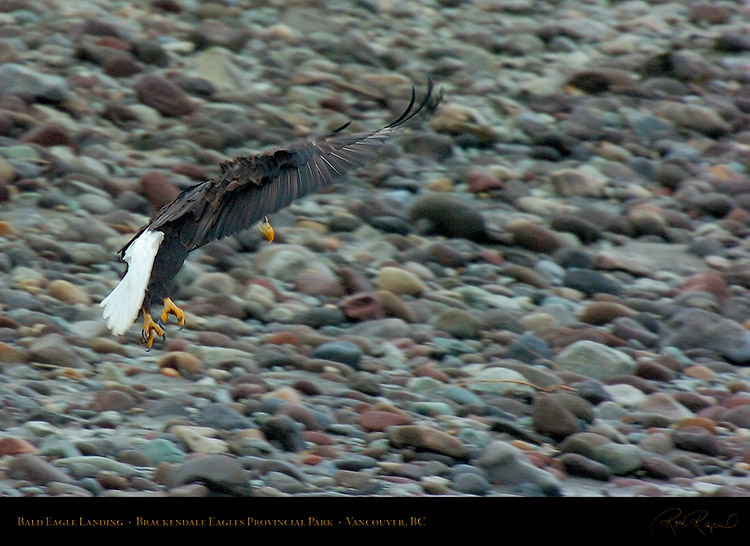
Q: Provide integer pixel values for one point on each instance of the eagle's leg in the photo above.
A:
(266, 229)
(150, 329)
(171, 309)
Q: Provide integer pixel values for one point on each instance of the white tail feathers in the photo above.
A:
(121, 306)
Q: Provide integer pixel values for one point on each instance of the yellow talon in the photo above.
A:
(171, 309)
(150, 330)
(266, 229)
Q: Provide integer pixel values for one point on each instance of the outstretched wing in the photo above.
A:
(249, 188)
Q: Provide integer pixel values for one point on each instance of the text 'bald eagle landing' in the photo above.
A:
(246, 190)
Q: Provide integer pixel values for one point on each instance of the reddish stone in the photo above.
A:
(736, 400)
(374, 420)
(481, 180)
(428, 370)
(166, 97)
(191, 171)
(710, 13)
(214, 339)
(307, 387)
(113, 400)
(354, 281)
(714, 413)
(283, 338)
(702, 422)
(540, 460)
(558, 337)
(363, 307)
(176, 345)
(109, 480)
(301, 414)
(740, 215)
(706, 281)
(492, 257)
(312, 460)
(170, 6)
(158, 189)
(122, 67)
(115, 43)
(246, 390)
(604, 312)
(48, 136)
(318, 438)
(7, 322)
(98, 27)
(327, 452)
(534, 237)
(15, 446)
(315, 283)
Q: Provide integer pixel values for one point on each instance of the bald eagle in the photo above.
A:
(246, 190)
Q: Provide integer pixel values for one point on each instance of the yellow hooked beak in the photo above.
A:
(266, 229)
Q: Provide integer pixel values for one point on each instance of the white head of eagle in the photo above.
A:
(246, 190)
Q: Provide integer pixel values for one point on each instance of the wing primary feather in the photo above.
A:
(251, 187)
(344, 159)
(324, 176)
(322, 157)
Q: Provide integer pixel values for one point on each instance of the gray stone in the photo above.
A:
(345, 352)
(219, 473)
(22, 80)
(595, 360)
(506, 465)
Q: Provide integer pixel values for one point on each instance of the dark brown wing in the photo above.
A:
(249, 188)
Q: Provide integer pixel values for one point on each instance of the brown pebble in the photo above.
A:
(109, 480)
(709, 12)
(736, 400)
(700, 372)
(533, 236)
(648, 369)
(702, 422)
(312, 460)
(163, 95)
(105, 345)
(113, 400)
(318, 438)
(184, 362)
(48, 136)
(9, 353)
(158, 189)
(191, 171)
(362, 307)
(604, 312)
(482, 180)
(706, 281)
(428, 370)
(122, 66)
(170, 6)
(380, 420)
(68, 292)
(424, 437)
(307, 387)
(553, 419)
(15, 446)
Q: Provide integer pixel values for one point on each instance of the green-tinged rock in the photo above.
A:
(595, 360)
(161, 450)
(501, 381)
(620, 458)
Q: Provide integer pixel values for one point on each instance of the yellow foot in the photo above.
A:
(266, 229)
(150, 330)
(171, 309)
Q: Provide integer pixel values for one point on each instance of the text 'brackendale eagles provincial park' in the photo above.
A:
(413, 521)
